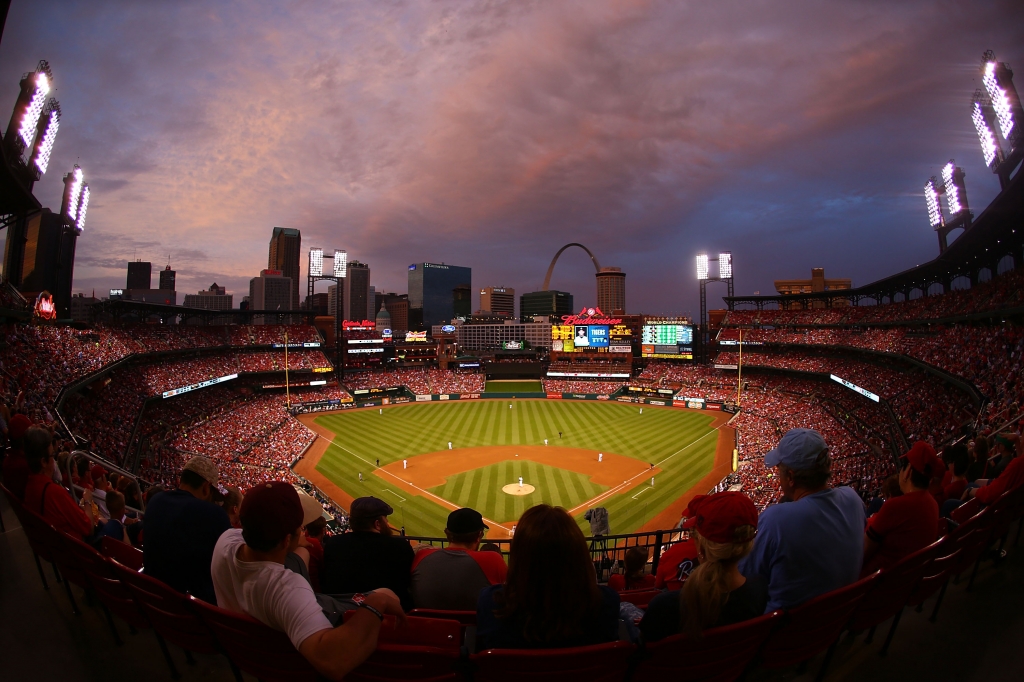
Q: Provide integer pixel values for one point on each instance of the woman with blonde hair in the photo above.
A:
(716, 593)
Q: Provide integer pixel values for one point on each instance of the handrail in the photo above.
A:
(92, 457)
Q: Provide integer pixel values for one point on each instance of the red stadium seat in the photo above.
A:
(719, 655)
(441, 633)
(124, 554)
(395, 662)
(640, 598)
(889, 596)
(599, 663)
(50, 546)
(973, 542)
(464, 617)
(254, 647)
(965, 511)
(814, 626)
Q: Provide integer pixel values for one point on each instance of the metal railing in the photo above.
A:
(76, 490)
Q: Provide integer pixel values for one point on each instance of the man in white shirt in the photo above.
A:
(249, 577)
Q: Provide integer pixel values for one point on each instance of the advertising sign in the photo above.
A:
(854, 387)
(201, 384)
(415, 337)
(512, 345)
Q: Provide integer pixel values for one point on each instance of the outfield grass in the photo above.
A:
(506, 386)
(481, 488)
(680, 442)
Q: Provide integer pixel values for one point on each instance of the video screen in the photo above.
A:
(672, 341)
(590, 336)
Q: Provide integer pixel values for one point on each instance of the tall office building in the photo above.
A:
(270, 291)
(285, 244)
(167, 278)
(397, 306)
(436, 291)
(498, 300)
(357, 291)
(611, 290)
(371, 304)
(548, 304)
(140, 275)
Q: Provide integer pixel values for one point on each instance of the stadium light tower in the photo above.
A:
(955, 192)
(725, 272)
(339, 270)
(33, 126)
(1002, 115)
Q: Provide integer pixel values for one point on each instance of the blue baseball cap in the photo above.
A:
(798, 449)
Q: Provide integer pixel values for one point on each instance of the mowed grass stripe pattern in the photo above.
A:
(405, 431)
(481, 488)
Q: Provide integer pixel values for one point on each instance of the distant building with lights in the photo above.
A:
(817, 283)
(498, 300)
(611, 290)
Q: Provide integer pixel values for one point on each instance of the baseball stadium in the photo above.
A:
(196, 484)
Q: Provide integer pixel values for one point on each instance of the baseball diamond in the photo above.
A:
(492, 446)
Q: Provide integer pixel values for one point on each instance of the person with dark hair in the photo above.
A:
(890, 489)
(813, 542)
(978, 449)
(550, 597)
(15, 467)
(51, 501)
(181, 530)
(370, 557)
(634, 578)
(909, 522)
(1011, 477)
(1001, 457)
(716, 593)
(249, 576)
(115, 526)
(954, 489)
(452, 578)
(232, 503)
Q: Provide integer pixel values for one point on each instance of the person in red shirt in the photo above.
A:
(676, 564)
(1011, 477)
(452, 578)
(957, 484)
(909, 522)
(633, 578)
(15, 466)
(48, 499)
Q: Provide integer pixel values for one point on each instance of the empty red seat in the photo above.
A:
(442, 633)
(719, 655)
(124, 554)
(598, 663)
(464, 617)
(640, 598)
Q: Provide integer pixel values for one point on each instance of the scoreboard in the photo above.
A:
(668, 340)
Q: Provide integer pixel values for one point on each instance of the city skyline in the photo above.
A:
(488, 137)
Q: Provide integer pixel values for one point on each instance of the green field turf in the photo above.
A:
(680, 442)
(481, 488)
(514, 387)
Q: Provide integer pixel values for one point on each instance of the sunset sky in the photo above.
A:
(796, 134)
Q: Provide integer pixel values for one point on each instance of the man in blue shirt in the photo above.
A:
(813, 542)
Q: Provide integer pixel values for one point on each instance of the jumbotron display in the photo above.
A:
(667, 340)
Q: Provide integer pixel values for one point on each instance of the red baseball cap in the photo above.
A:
(97, 471)
(716, 517)
(920, 456)
(272, 509)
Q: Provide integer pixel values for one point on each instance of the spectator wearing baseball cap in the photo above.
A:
(15, 467)
(813, 542)
(716, 593)
(451, 578)
(909, 522)
(181, 529)
(369, 557)
(249, 576)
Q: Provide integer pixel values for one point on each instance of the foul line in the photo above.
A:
(642, 492)
(427, 493)
(394, 493)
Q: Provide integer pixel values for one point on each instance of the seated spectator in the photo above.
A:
(954, 490)
(979, 459)
(813, 543)
(249, 577)
(452, 578)
(15, 467)
(716, 593)
(909, 522)
(100, 488)
(1001, 456)
(633, 578)
(232, 503)
(314, 531)
(115, 525)
(890, 489)
(1011, 477)
(182, 527)
(551, 597)
(369, 557)
(676, 564)
(490, 547)
(48, 499)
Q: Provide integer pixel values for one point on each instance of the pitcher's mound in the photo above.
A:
(516, 489)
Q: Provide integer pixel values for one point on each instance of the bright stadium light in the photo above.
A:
(316, 262)
(35, 109)
(340, 262)
(931, 197)
(42, 156)
(1000, 101)
(83, 207)
(953, 203)
(725, 265)
(76, 194)
(702, 266)
(989, 148)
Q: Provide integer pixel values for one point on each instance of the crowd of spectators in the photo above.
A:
(419, 380)
(581, 386)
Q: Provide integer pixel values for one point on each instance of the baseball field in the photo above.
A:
(503, 456)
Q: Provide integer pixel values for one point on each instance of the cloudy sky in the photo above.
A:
(796, 134)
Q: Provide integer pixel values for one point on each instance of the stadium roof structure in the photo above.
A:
(997, 233)
(119, 310)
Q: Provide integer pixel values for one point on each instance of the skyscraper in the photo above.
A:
(285, 244)
(611, 290)
(498, 300)
(545, 304)
(140, 275)
(270, 291)
(357, 291)
(436, 292)
(167, 278)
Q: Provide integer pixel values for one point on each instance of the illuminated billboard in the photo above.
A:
(667, 340)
